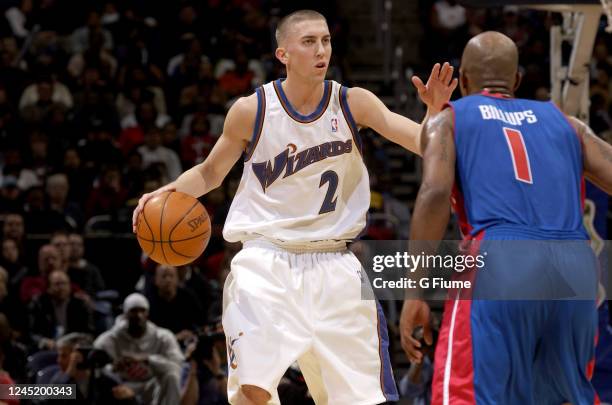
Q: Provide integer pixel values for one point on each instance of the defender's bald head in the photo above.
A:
(490, 60)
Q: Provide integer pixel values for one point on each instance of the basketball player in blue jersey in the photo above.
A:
(514, 169)
(294, 291)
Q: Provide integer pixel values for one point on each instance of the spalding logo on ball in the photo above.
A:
(173, 228)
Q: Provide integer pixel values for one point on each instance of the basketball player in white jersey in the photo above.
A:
(294, 291)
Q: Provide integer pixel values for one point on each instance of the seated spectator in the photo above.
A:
(239, 80)
(196, 146)
(154, 152)
(93, 386)
(80, 38)
(49, 260)
(96, 55)
(43, 93)
(108, 195)
(13, 228)
(57, 312)
(135, 125)
(59, 239)
(138, 86)
(146, 357)
(98, 148)
(15, 167)
(57, 193)
(10, 306)
(191, 279)
(207, 381)
(83, 273)
(9, 194)
(174, 307)
(15, 353)
(38, 218)
(11, 261)
(192, 51)
(79, 178)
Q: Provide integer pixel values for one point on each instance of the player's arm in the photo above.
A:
(208, 175)
(432, 207)
(430, 218)
(369, 112)
(597, 155)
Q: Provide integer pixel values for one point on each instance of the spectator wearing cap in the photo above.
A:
(146, 357)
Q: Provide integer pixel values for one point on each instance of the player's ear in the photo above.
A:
(517, 80)
(282, 55)
(463, 84)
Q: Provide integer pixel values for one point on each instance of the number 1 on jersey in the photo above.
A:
(520, 158)
(329, 202)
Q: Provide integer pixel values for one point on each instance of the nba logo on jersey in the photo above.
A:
(334, 124)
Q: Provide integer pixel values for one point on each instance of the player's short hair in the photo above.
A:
(293, 18)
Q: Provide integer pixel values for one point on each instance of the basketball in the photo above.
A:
(173, 228)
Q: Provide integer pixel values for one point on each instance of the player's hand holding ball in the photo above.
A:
(172, 228)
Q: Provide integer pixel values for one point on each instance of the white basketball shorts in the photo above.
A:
(280, 307)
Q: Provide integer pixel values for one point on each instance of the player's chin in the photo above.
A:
(320, 72)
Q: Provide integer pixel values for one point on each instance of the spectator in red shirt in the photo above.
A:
(49, 259)
(197, 145)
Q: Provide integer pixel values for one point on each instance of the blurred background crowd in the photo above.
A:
(101, 101)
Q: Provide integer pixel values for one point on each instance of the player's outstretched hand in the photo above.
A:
(143, 200)
(415, 313)
(439, 87)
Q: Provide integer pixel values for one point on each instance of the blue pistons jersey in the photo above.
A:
(527, 335)
(519, 169)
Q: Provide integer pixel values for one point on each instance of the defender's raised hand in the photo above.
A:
(439, 87)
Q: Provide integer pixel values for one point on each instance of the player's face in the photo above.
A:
(308, 49)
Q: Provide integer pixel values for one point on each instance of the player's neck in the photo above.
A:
(502, 91)
(303, 96)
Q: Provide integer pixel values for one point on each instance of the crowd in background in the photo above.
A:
(101, 101)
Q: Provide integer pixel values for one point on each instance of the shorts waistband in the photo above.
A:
(322, 246)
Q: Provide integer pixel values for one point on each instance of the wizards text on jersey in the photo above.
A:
(291, 162)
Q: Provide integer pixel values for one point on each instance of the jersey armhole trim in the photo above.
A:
(259, 119)
(572, 127)
(348, 117)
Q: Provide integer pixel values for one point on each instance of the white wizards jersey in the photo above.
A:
(304, 178)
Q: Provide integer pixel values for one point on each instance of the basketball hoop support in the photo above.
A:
(570, 83)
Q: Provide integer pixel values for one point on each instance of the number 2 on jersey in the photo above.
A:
(520, 158)
(329, 202)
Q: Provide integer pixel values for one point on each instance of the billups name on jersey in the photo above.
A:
(290, 162)
(490, 112)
